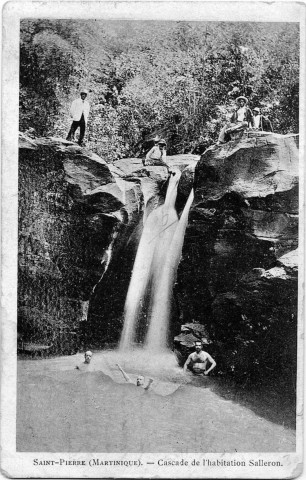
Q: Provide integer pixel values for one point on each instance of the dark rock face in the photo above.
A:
(144, 188)
(80, 220)
(62, 239)
(238, 273)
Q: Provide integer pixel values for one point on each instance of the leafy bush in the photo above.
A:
(177, 78)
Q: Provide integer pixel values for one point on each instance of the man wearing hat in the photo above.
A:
(242, 118)
(79, 111)
(157, 154)
(242, 114)
(261, 122)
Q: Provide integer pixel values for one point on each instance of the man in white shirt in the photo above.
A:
(79, 111)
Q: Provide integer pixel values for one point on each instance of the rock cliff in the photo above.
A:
(238, 274)
(80, 220)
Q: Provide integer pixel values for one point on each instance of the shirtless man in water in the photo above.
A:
(197, 361)
(140, 379)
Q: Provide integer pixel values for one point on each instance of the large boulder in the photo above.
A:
(80, 219)
(256, 166)
(238, 275)
(65, 226)
(105, 315)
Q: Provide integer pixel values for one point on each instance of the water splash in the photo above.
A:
(154, 271)
(158, 226)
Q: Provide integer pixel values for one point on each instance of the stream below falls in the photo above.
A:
(62, 409)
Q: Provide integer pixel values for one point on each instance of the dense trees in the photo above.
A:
(176, 78)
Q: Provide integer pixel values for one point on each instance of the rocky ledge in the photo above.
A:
(238, 274)
(79, 217)
(80, 220)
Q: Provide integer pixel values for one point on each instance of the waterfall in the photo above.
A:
(156, 339)
(154, 271)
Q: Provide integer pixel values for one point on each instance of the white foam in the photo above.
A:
(156, 263)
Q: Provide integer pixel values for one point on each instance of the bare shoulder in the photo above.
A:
(208, 357)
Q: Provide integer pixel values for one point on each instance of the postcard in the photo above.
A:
(153, 239)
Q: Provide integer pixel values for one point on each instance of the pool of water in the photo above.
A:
(61, 409)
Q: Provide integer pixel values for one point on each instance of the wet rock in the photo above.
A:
(251, 167)
(290, 262)
(64, 231)
(191, 332)
(238, 274)
(80, 219)
(183, 161)
(183, 343)
(258, 319)
(106, 198)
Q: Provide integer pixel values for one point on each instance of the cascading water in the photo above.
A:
(156, 339)
(154, 270)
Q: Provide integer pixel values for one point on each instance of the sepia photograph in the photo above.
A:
(156, 301)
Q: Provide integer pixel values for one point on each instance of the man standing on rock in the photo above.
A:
(197, 361)
(79, 111)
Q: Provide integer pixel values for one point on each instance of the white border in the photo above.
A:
(21, 464)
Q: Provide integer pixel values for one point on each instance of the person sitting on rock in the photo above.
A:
(88, 357)
(197, 361)
(261, 122)
(157, 154)
(156, 139)
(241, 119)
(79, 111)
(140, 381)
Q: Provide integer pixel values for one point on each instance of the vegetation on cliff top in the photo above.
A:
(178, 79)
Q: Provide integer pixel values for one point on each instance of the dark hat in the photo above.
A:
(241, 98)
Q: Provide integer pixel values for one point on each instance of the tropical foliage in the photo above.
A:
(179, 79)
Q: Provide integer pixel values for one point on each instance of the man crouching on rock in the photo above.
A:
(197, 361)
